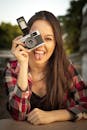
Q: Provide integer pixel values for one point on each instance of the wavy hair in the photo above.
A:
(57, 68)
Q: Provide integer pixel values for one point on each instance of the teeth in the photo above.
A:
(39, 52)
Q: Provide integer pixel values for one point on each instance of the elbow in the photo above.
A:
(16, 115)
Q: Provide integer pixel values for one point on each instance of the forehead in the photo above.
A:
(43, 26)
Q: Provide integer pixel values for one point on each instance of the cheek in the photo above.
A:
(51, 47)
(50, 50)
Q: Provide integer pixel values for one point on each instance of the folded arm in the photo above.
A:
(77, 104)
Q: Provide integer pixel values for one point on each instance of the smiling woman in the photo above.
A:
(43, 84)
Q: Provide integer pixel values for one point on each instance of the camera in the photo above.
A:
(31, 40)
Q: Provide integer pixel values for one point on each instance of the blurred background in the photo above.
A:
(72, 15)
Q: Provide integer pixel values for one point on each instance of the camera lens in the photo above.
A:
(29, 43)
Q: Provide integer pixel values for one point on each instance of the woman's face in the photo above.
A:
(42, 54)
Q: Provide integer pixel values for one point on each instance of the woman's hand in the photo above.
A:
(38, 117)
(19, 51)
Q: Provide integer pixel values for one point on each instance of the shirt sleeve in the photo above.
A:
(77, 96)
(19, 101)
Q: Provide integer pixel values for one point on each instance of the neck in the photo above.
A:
(38, 73)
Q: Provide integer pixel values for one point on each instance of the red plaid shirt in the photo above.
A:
(19, 101)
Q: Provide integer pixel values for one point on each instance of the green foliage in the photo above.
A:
(7, 33)
(71, 24)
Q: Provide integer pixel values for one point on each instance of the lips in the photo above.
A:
(39, 54)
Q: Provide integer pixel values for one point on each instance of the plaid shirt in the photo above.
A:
(75, 101)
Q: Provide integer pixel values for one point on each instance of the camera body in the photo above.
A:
(32, 40)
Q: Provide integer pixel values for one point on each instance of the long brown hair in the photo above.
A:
(57, 68)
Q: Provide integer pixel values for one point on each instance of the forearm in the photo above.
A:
(37, 116)
(22, 80)
(60, 115)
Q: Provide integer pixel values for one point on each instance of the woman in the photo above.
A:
(43, 85)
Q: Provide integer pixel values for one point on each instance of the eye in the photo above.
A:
(48, 39)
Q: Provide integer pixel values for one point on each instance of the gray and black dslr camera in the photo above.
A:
(32, 40)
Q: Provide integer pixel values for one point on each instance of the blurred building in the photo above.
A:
(5, 55)
(83, 44)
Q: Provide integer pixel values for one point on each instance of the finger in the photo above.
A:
(35, 122)
(20, 53)
(16, 42)
(18, 48)
(32, 114)
(33, 119)
(35, 110)
(21, 48)
(24, 53)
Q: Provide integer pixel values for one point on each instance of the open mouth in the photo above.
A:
(39, 54)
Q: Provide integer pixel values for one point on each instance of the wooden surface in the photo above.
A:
(10, 124)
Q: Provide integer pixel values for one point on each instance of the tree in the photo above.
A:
(71, 24)
(7, 33)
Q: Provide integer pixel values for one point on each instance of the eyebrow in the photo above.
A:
(50, 35)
